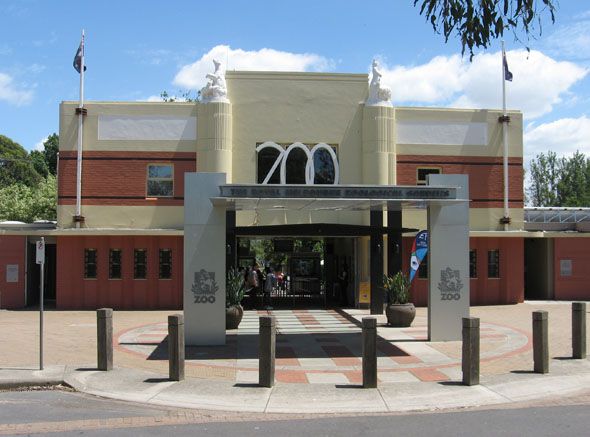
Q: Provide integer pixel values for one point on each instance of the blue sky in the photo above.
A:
(136, 49)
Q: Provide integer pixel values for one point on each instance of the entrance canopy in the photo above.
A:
(250, 197)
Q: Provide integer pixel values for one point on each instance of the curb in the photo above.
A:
(27, 383)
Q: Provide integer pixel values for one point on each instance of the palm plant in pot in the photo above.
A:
(234, 293)
(400, 311)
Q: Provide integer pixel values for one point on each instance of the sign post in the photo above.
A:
(41, 261)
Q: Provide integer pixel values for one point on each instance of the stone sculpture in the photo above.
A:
(216, 88)
(378, 95)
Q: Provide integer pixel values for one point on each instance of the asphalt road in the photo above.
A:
(72, 414)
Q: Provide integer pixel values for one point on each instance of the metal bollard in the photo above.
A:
(176, 347)
(369, 352)
(579, 330)
(470, 356)
(104, 331)
(267, 348)
(540, 341)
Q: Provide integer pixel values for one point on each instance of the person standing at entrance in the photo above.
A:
(269, 286)
(253, 286)
(343, 281)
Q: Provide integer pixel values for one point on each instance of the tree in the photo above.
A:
(39, 163)
(544, 178)
(559, 182)
(183, 96)
(572, 188)
(478, 22)
(27, 204)
(15, 165)
(50, 151)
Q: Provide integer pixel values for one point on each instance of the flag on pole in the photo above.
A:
(507, 73)
(419, 250)
(79, 56)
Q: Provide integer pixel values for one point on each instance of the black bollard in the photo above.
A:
(369, 352)
(104, 333)
(176, 347)
(266, 357)
(470, 356)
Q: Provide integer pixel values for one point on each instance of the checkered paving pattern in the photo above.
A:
(324, 347)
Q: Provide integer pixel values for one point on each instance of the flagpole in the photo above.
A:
(80, 136)
(506, 219)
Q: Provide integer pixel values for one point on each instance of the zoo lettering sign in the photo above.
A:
(204, 287)
(450, 284)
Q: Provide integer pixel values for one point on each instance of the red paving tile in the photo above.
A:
(429, 375)
(327, 340)
(355, 377)
(341, 355)
(291, 376)
(390, 350)
(409, 359)
(285, 356)
(346, 362)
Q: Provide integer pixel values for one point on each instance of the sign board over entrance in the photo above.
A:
(338, 192)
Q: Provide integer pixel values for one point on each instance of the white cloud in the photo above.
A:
(11, 94)
(39, 144)
(563, 136)
(192, 76)
(571, 40)
(540, 82)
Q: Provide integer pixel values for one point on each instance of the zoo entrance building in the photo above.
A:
(118, 242)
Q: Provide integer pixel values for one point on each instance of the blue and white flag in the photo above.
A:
(419, 250)
(79, 56)
(507, 73)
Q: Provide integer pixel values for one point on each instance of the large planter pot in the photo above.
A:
(400, 315)
(233, 316)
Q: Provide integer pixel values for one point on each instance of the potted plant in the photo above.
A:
(234, 293)
(399, 311)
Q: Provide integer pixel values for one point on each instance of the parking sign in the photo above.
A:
(40, 252)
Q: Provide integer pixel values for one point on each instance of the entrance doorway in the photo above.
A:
(309, 272)
(34, 275)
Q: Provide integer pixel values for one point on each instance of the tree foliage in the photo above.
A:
(182, 96)
(559, 181)
(50, 151)
(27, 204)
(478, 22)
(16, 166)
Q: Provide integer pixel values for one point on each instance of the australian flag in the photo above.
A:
(78, 57)
(507, 73)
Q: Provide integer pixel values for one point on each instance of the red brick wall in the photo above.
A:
(507, 289)
(486, 176)
(12, 251)
(576, 286)
(120, 178)
(75, 292)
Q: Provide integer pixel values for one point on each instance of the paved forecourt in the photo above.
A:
(324, 347)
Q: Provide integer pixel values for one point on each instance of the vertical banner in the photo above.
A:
(419, 250)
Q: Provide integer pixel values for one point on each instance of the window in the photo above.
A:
(493, 263)
(160, 180)
(90, 263)
(165, 263)
(423, 268)
(473, 263)
(139, 263)
(422, 172)
(115, 264)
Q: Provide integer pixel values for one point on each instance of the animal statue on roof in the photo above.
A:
(216, 88)
(378, 94)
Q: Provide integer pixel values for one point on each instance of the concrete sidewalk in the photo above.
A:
(318, 362)
(567, 378)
